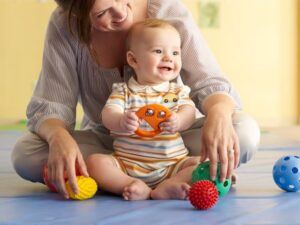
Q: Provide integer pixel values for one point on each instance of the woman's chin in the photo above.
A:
(124, 25)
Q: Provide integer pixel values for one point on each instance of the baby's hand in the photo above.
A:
(171, 125)
(129, 122)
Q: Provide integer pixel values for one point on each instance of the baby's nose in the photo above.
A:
(167, 58)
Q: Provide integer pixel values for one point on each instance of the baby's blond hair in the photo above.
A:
(147, 23)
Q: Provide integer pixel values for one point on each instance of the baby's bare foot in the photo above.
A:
(136, 190)
(171, 190)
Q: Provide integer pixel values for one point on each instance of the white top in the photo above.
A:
(69, 75)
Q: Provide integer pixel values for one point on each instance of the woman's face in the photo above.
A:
(111, 15)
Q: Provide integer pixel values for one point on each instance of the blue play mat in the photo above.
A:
(255, 199)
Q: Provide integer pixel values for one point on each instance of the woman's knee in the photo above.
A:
(28, 157)
(246, 128)
(248, 133)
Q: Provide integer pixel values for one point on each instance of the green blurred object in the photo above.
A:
(209, 14)
(202, 173)
(19, 126)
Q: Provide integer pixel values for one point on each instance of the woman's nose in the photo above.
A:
(119, 11)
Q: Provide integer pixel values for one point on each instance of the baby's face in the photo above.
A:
(157, 54)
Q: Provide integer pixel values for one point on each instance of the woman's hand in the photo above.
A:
(129, 122)
(64, 156)
(219, 140)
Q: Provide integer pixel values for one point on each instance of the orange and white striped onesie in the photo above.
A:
(149, 159)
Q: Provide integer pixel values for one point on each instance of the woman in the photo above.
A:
(84, 54)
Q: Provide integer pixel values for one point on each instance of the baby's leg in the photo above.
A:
(110, 178)
(177, 187)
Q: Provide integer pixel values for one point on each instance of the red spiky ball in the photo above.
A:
(203, 194)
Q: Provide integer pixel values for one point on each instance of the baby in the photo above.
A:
(157, 167)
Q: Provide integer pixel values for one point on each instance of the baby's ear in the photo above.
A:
(131, 60)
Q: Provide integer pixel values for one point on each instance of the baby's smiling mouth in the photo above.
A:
(165, 68)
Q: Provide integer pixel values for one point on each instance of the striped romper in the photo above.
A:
(149, 159)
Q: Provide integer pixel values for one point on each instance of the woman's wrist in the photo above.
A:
(219, 103)
(57, 135)
(52, 130)
(221, 109)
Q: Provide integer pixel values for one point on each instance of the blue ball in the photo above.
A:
(286, 173)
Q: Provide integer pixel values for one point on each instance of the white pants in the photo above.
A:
(30, 153)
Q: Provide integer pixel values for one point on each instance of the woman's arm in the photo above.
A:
(57, 90)
(219, 137)
(52, 108)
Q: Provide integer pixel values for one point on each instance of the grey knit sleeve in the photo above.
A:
(57, 89)
(200, 71)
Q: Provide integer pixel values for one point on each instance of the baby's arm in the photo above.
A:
(181, 120)
(116, 120)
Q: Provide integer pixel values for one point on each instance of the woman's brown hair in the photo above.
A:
(78, 12)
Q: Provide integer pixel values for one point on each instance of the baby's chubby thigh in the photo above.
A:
(100, 165)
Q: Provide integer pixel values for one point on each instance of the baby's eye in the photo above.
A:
(158, 51)
(176, 53)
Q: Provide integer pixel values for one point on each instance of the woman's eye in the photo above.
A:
(101, 14)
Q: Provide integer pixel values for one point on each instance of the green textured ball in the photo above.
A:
(202, 173)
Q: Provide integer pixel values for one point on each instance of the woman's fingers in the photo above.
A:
(213, 158)
(227, 154)
(58, 179)
(236, 148)
(213, 165)
(61, 184)
(64, 155)
(224, 161)
(82, 166)
(203, 154)
(71, 174)
(231, 162)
